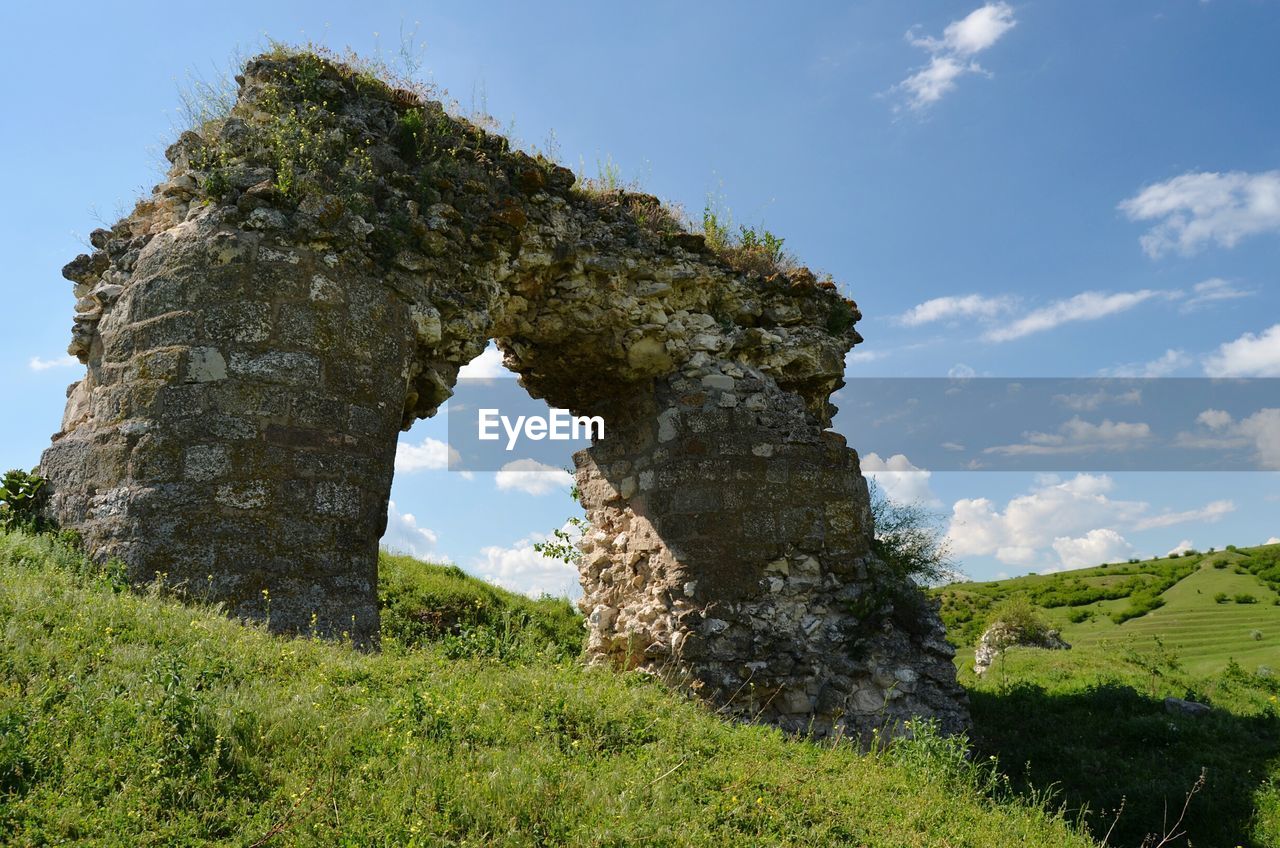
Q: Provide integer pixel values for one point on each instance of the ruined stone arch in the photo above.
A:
(308, 280)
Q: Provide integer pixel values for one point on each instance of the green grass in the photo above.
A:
(131, 719)
(1090, 722)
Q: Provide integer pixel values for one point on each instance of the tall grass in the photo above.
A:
(134, 720)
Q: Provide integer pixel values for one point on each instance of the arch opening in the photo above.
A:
(307, 283)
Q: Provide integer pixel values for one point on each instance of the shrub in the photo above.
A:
(1245, 598)
(1220, 598)
(22, 499)
(1140, 604)
(1220, 564)
(1021, 617)
(910, 540)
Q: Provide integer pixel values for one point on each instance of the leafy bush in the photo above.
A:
(1221, 598)
(1245, 598)
(910, 539)
(1140, 604)
(22, 500)
(1020, 617)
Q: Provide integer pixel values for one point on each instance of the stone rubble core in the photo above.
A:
(307, 282)
(1001, 636)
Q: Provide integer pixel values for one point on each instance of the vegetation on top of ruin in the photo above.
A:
(310, 154)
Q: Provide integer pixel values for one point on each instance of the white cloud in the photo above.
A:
(1079, 436)
(960, 371)
(1274, 540)
(404, 535)
(899, 479)
(429, 455)
(1086, 306)
(37, 363)
(857, 357)
(1201, 207)
(1261, 430)
(532, 477)
(520, 568)
(1181, 548)
(1263, 427)
(1029, 524)
(486, 366)
(951, 56)
(950, 308)
(1209, 513)
(1093, 548)
(1087, 402)
(1170, 362)
(1248, 356)
(1212, 290)
(1076, 522)
(1214, 419)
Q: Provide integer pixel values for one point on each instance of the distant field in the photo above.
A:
(1199, 607)
(1089, 724)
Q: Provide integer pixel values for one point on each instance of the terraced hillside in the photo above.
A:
(1210, 608)
(1090, 724)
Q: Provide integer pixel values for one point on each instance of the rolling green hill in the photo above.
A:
(1212, 608)
(1091, 721)
(131, 719)
(135, 720)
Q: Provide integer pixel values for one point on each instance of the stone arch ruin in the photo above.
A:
(307, 282)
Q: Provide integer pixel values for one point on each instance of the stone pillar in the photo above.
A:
(235, 434)
(731, 555)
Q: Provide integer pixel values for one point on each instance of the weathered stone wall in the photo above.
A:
(730, 554)
(308, 281)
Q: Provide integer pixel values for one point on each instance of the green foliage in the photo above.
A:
(1021, 618)
(966, 606)
(1221, 598)
(136, 720)
(745, 249)
(423, 603)
(22, 501)
(1140, 603)
(911, 540)
(1245, 598)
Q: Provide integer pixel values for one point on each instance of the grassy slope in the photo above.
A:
(1206, 634)
(1090, 721)
(128, 720)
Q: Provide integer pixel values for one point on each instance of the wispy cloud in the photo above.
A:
(1167, 363)
(1213, 290)
(1198, 208)
(1079, 436)
(951, 56)
(1209, 513)
(1086, 306)
(955, 307)
(38, 363)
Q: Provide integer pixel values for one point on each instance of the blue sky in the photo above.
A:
(1093, 186)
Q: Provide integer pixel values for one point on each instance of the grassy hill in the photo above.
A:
(1090, 721)
(129, 719)
(1214, 607)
